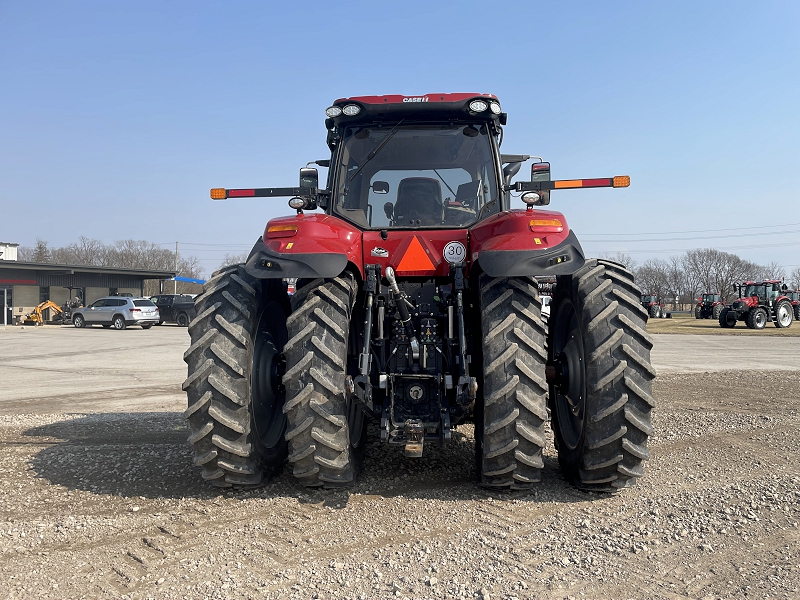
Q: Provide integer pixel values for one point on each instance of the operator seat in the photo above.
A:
(419, 202)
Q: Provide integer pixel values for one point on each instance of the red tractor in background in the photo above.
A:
(794, 298)
(709, 306)
(759, 303)
(416, 307)
(654, 306)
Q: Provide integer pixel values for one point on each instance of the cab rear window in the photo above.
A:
(143, 303)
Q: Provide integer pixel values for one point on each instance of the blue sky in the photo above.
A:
(117, 117)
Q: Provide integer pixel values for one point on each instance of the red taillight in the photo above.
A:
(135, 310)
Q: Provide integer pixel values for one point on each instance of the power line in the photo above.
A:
(706, 237)
(701, 230)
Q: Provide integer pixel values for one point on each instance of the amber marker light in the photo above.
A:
(279, 231)
(546, 225)
(218, 194)
(622, 181)
(568, 183)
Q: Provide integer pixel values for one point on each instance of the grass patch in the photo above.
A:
(686, 323)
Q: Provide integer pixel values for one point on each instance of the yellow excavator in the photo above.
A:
(37, 317)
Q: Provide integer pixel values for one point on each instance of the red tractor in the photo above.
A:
(709, 306)
(794, 298)
(759, 302)
(416, 307)
(654, 306)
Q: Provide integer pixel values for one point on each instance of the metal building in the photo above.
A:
(23, 285)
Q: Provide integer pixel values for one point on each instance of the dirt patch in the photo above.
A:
(109, 505)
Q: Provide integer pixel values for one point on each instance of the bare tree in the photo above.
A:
(233, 259)
(771, 271)
(653, 277)
(794, 279)
(621, 257)
(714, 271)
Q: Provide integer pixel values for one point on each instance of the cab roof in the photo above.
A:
(426, 107)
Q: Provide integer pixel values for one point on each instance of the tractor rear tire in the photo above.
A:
(725, 321)
(510, 433)
(797, 312)
(698, 312)
(756, 318)
(654, 310)
(602, 396)
(326, 430)
(235, 398)
(783, 314)
(716, 311)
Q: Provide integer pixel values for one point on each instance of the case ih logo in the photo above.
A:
(422, 99)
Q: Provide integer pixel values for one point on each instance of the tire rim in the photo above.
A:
(117, 324)
(267, 390)
(784, 315)
(760, 319)
(570, 396)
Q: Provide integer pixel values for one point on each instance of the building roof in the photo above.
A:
(8, 244)
(57, 269)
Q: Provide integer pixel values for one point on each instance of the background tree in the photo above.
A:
(233, 259)
(794, 279)
(621, 257)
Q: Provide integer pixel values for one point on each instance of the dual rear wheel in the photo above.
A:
(600, 382)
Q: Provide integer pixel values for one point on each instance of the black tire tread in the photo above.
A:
(619, 378)
(316, 408)
(514, 385)
(217, 385)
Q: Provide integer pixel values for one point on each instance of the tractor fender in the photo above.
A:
(563, 259)
(305, 246)
(509, 245)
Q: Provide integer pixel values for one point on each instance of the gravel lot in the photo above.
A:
(100, 498)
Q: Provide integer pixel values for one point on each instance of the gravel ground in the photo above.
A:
(107, 505)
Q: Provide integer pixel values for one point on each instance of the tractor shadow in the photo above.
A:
(146, 455)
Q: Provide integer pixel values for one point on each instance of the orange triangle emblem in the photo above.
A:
(415, 258)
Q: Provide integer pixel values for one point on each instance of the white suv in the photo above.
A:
(117, 312)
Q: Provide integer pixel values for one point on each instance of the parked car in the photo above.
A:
(546, 300)
(117, 312)
(175, 308)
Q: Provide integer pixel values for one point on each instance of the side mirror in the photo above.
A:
(540, 171)
(309, 177)
(380, 187)
(388, 208)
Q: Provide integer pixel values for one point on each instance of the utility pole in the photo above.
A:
(176, 268)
